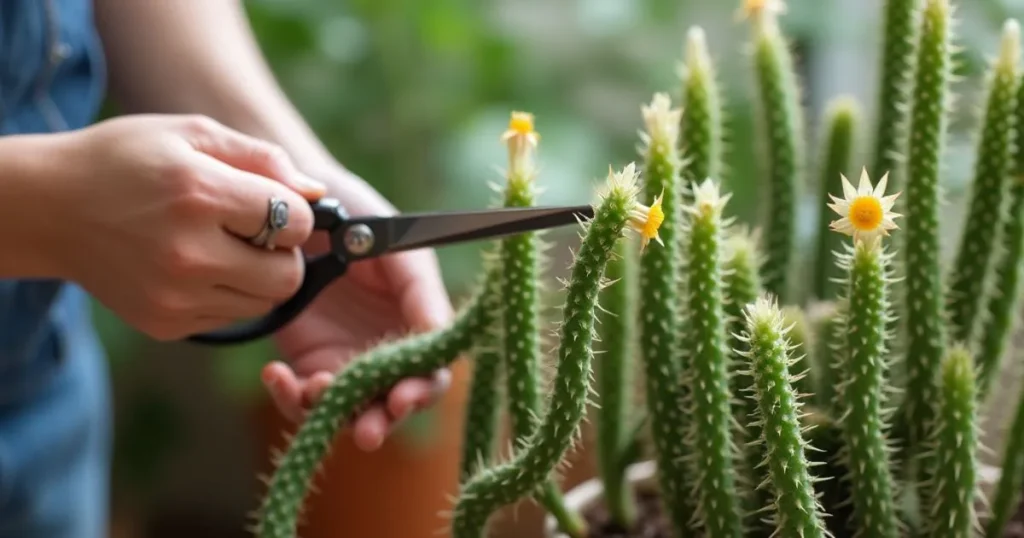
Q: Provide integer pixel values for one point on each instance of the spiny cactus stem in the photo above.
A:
(796, 511)
(988, 190)
(701, 126)
(362, 380)
(840, 133)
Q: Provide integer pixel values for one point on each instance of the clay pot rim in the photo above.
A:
(642, 476)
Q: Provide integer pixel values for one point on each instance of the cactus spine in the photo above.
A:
(863, 364)
(362, 380)
(926, 326)
(520, 299)
(781, 118)
(994, 158)
(840, 132)
(701, 132)
(616, 327)
(951, 510)
(796, 511)
(498, 486)
(708, 377)
(660, 319)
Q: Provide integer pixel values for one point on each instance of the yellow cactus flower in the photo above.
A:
(866, 213)
(521, 138)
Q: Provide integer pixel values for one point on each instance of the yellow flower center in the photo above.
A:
(655, 216)
(521, 123)
(865, 213)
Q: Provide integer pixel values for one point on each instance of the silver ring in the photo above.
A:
(277, 220)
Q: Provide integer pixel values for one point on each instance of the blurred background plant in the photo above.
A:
(412, 96)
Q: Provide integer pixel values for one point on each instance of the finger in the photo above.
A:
(273, 275)
(371, 428)
(314, 387)
(246, 207)
(250, 154)
(415, 394)
(284, 390)
(230, 303)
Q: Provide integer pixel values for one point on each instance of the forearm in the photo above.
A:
(29, 212)
(201, 57)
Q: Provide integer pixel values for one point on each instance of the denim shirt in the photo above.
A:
(54, 446)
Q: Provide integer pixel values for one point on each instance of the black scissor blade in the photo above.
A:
(427, 230)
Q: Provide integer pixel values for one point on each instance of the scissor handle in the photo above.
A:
(320, 271)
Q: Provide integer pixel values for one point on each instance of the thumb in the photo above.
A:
(252, 155)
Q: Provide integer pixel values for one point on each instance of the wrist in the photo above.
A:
(30, 171)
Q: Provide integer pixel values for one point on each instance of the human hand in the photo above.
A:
(376, 299)
(158, 212)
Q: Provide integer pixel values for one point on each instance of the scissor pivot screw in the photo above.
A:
(359, 239)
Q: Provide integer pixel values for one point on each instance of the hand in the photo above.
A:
(158, 209)
(376, 299)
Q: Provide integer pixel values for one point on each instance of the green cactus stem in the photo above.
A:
(782, 123)
(840, 127)
(701, 127)
(862, 391)
(825, 319)
(520, 259)
(801, 338)
(988, 190)
(796, 511)
(951, 512)
(1011, 477)
(1004, 293)
(365, 378)
(708, 375)
(925, 323)
(742, 286)
(824, 434)
(531, 466)
(484, 404)
(660, 316)
(616, 330)
(894, 89)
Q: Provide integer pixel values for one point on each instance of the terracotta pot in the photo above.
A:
(400, 491)
(643, 477)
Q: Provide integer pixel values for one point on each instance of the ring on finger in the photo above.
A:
(277, 220)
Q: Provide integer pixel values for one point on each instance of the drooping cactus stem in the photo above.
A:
(796, 511)
(560, 428)
(708, 374)
(994, 160)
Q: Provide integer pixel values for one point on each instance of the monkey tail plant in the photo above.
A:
(866, 215)
(618, 211)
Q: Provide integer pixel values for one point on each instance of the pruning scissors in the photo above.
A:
(355, 239)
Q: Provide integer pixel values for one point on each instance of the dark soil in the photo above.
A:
(650, 521)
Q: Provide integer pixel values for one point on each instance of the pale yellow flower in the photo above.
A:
(866, 213)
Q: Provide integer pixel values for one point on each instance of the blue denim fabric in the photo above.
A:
(54, 399)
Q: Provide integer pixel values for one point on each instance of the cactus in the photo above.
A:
(866, 214)
(495, 487)
(366, 377)
(660, 322)
(951, 512)
(781, 118)
(701, 122)
(995, 153)
(616, 330)
(708, 377)
(840, 131)
(797, 512)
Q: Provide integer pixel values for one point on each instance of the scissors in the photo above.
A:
(356, 239)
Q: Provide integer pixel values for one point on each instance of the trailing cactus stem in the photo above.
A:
(995, 152)
(782, 120)
(660, 316)
(926, 326)
(1004, 294)
(951, 510)
(495, 487)
(366, 377)
(797, 513)
(484, 405)
(616, 328)
(708, 375)
(701, 133)
(840, 132)
(520, 261)
(862, 391)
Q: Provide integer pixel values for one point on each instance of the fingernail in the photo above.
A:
(310, 183)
